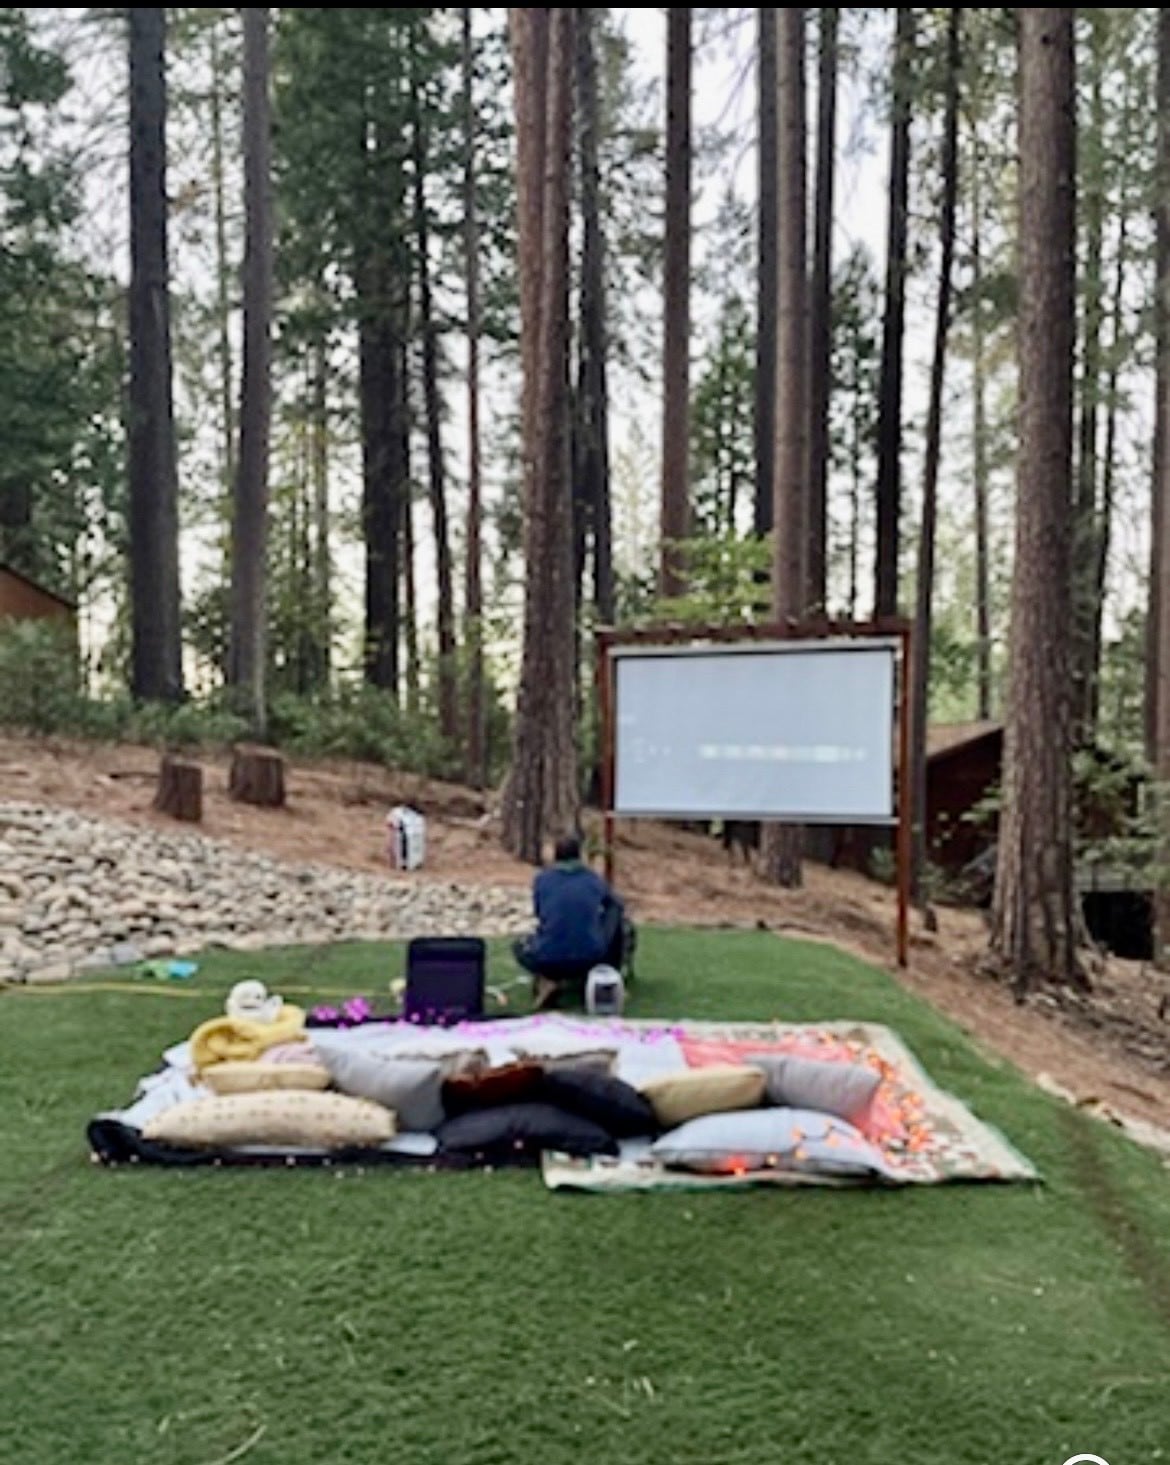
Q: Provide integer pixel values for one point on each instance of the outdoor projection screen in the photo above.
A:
(800, 731)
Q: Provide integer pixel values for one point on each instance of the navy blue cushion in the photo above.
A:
(516, 1134)
(610, 1102)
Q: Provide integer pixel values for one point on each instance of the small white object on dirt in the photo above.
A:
(406, 838)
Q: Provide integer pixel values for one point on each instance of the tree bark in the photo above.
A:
(766, 150)
(433, 409)
(1092, 292)
(854, 518)
(676, 433)
(382, 306)
(1158, 683)
(1158, 539)
(382, 289)
(540, 799)
(821, 307)
(301, 568)
(222, 272)
(979, 469)
(1034, 923)
(920, 681)
(247, 656)
(780, 844)
(384, 482)
(322, 555)
(156, 650)
(473, 594)
(410, 609)
(889, 443)
(593, 392)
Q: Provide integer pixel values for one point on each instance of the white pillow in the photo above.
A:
(455, 1053)
(771, 1139)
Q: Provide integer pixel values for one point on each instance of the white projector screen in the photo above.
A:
(793, 730)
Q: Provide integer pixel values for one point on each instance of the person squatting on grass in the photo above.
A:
(580, 924)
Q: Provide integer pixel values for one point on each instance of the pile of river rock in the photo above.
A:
(79, 895)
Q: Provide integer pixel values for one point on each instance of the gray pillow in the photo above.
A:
(771, 1139)
(412, 1087)
(844, 1089)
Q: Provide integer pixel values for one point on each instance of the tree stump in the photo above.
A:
(180, 789)
(257, 777)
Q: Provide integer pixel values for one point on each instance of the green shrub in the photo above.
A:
(39, 682)
(363, 723)
(189, 725)
(41, 694)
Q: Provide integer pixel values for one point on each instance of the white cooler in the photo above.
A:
(406, 838)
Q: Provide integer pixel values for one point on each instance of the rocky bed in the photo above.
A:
(79, 895)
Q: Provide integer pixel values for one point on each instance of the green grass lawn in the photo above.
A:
(446, 1319)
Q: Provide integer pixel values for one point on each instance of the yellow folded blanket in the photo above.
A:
(240, 1040)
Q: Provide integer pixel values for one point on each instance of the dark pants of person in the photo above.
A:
(570, 975)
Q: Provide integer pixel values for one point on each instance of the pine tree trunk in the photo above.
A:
(223, 273)
(1092, 292)
(1158, 671)
(593, 392)
(820, 328)
(247, 656)
(780, 844)
(384, 477)
(1034, 922)
(433, 409)
(308, 668)
(540, 799)
(156, 649)
(1158, 539)
(889, 431)
(767, 145)
(473, 595)
(382, 288)
(410, 610)
(979, 469)
(293, 533)
(581, 509)
(920, 682)
(854, 517)
(322, 557)
(725, 501)
(676, 433)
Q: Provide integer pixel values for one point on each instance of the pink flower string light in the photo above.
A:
(353, 1012)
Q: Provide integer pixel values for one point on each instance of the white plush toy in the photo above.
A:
(250, 1001)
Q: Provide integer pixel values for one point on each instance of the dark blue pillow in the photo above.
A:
(516, 1134)
(609, 1102)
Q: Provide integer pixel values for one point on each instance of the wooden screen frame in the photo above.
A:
(892, 628)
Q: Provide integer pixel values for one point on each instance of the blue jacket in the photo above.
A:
(570, 901)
